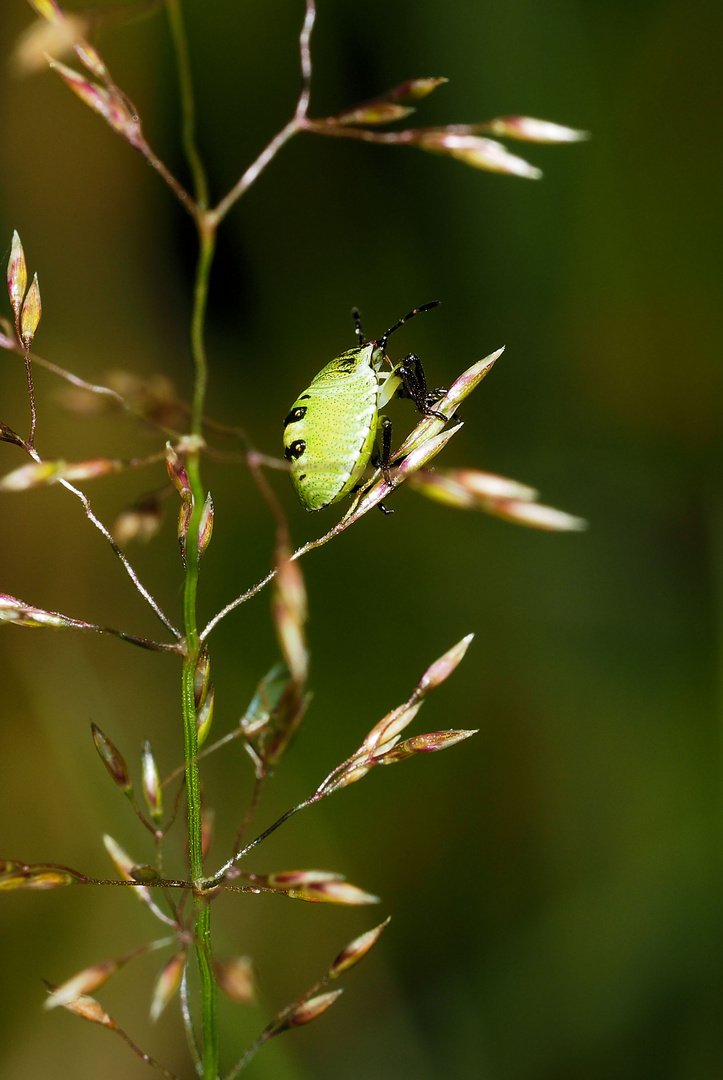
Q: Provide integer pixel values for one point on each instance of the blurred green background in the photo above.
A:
(555, 882)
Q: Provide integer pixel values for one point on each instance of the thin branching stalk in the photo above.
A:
(220, 874)
(213, 623)
(188, 104)
(31, 399)
(294, 126)
(155, 606)
(99, 390)
(254, 170)
(165, 173)
(188, 1024)
(310, 545)
(81, 384)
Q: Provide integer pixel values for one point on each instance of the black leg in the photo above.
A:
(436, 395)
(386, 447)
(414, 386)
(381, 461)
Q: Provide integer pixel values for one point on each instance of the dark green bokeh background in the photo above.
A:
(555, 883)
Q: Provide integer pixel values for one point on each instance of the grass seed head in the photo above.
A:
(113, 760)
(152, 788)
(87, 1008)
(235, 977)
(30, 314)
(442, 668)
(17, 276)
(477, 151)
(204, 715)
(357, 949)
(308, 1011)
(167, 984)
(85, 982)
(528, 129)
(205, 525)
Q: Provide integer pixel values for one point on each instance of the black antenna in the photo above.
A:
(357, 324)
(382, 343)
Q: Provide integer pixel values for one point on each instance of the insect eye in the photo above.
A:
(295, 415)
(295, 449)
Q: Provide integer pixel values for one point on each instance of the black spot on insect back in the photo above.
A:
(295, 415)
(295, 449)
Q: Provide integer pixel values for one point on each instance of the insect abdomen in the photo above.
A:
(330, 430)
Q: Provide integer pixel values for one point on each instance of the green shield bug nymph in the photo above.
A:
(330, 431)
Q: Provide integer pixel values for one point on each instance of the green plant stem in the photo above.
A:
(188, 105)
(207, 243)
(209, 1025)
(193, 785)
(207, 222)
